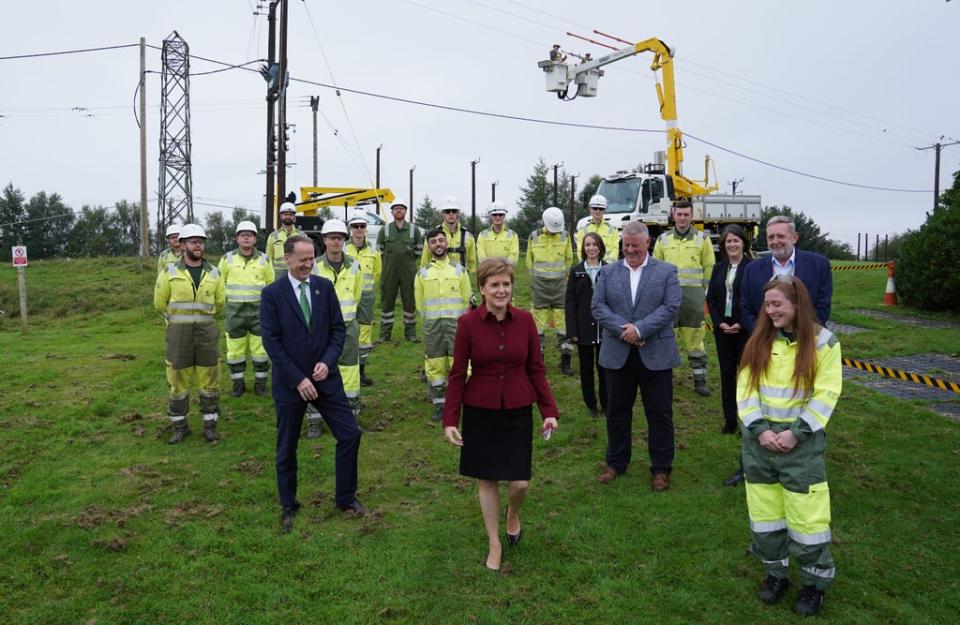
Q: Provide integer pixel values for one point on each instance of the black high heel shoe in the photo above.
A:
(513, 539)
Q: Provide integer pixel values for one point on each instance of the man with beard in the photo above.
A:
(274, 247)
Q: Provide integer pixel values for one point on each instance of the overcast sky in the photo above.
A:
(843, 90)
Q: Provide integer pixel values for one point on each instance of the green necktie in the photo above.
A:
(304, 304)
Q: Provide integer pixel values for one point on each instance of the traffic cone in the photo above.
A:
(890, 297)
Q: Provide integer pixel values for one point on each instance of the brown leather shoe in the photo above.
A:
(660, 482)
(609, 474)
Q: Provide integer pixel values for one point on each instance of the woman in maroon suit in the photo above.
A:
(507, 377)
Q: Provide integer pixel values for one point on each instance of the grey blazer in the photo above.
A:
(653, 312)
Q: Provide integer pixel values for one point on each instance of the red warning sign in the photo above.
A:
(19, 255)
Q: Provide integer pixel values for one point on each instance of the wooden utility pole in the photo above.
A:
(473, 195)
(556, 185)
(936, 147)
(270, 207)
(410, 198)
(314, 105)
(493, 190)
(379, 147)
(144, 215)
(573, 211)
(282, 107)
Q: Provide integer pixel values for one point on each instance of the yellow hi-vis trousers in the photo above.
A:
(208, 381)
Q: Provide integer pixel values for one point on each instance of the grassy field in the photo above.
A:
(101, 522)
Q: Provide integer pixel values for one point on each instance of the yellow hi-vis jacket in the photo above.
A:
(245, 276)
(442, 290)
(549, 255)
(179, 301)
(505, 244)
(274, 248)
(777, 401)
(348, 284)
(370, 263)
(691, 254)
(166, 257)
(455, 251)
(609, 234)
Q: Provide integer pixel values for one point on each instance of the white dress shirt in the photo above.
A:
(635, 276)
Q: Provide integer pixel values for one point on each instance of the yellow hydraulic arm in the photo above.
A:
(313, 199)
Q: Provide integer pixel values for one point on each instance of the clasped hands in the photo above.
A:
(631, 335)
(307, 390)
(733, 328)
(778, 443)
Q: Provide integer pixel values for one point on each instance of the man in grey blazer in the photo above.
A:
(636, 302)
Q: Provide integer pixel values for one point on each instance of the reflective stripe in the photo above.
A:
(692, 271)
(439, 401)
(551, 265)
(699, 372)
(256, 288)
(811, 420)
(750, 402)
(260, 359)
(190, 306)
(819, 406)
(237, 376)
(751, 418)
(443, 313)
(824, 573)
(349, 315)
(782, 392)
(236, 361)
(762, 527)
(189, 318)
(347, 303)
(691, 282)
(443, 300)
(817, 538)
(775, 412)
(176, 418)
(351, 394)
(824, 337)
(210, 416)
(242, 299)
(785, 562)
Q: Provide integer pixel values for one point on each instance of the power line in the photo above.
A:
(62, 52)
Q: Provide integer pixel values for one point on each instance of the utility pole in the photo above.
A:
(936, 147)
(556, 185)
(144, 215)
(473, 194)
(270, 210)
(282, 109)
(379, 147)
(573, 211)
(493, 190)
(734, 184)
(314, 105)
(410, 198)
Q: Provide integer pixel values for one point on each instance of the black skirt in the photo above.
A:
(497, 444)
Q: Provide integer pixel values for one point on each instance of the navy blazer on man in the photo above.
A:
(811, 268)
(294, 349)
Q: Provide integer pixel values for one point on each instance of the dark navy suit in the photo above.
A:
(294, 348)
(811, 268)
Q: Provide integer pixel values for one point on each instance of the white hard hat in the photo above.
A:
(450, 203)
(598, 201)
(246, 226)
(399, 202)
(359, 216)
(553, 220)
(192, 230)
(496, 208)
(173, 229)
(334, 226)
(288, 207)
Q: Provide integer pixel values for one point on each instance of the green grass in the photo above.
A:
(101, 522)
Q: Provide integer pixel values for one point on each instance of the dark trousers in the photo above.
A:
(656, 393)
(343, 426)
(590, 355)
(729, 350)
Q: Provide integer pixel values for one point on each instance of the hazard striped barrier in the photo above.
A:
(867, 266)
(906, 376)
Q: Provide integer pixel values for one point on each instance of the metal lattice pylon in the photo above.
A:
(175, 201)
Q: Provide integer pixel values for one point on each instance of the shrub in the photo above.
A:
(927, 262)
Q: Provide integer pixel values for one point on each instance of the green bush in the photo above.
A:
(927, 262)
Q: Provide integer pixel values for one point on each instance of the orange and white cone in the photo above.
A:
(890, 297)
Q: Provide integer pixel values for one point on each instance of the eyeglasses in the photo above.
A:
(358, 226)
(451, 210)
(598, 208)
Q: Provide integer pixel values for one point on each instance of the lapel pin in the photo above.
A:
(317, 291)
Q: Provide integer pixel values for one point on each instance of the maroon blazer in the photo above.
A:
(507, 367)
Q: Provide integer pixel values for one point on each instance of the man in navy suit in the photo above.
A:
(811, 268)
(636, 301)
(303, 333)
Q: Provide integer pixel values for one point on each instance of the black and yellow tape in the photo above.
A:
(868, 266)
(906, 376)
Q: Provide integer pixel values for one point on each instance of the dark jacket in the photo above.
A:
(295, 349)
(580, 321)
(717, 292)
(812, 269)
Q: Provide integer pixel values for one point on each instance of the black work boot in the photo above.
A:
(364, 380)
(239, 388)
(565, 367)
(260, 387)
(773, 589)
(437, 413)
(181, 430)
(809, 601)
(410, 333)
(385, 333)
(700, 385)
(210, 431)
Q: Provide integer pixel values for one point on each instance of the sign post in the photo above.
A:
(20, 262)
